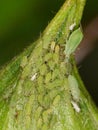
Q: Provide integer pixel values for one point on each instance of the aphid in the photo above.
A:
(40, 80)
(55, 74)
(73, 84)
(38, 112)
(51, 65)
(40, 99)
(24, 62)
(48, 56)
(52, 45)
(39, 123)
(40, 88)
(57, 49)
(46, 115)
(54, 84)
(55, 58)
(48, 77)
(56, 100)
(45, 126)
(53, 93)
(43, 69)
(73, 42)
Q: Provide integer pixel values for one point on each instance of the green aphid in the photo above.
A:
(54, 84)
(40, 99)
(52, 45)
(48, 77)
(24, 62)
(68, 67)
(56, 100)
(26, 72)
(54, 121)
(45, 127)
(46, 115)
(27, 88)
(39, 62)
(37, 49)
(55, 73)
(40, 80)
(41, 89)
(43, 69)
(53, 93)
(46, 101)
(39, 123)
(48, 57)
(57, 49)
(74, 88)
(73, 42)
(55, 58)
(51, 65)
(63, 69)
(38, 112)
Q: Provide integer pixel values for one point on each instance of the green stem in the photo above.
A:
(39, 90)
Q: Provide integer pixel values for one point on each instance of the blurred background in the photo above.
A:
(21, 22)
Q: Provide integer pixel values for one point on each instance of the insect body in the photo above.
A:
(74, 88)
(73, 42)
(75, 92)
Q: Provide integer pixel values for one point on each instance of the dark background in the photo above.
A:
(22, 21)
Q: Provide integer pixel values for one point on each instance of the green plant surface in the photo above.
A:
(40, 90)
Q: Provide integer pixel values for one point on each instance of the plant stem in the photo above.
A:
(39, 90)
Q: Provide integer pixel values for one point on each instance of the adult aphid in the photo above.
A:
(73, 42)
(52, 45)
(74, 88)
